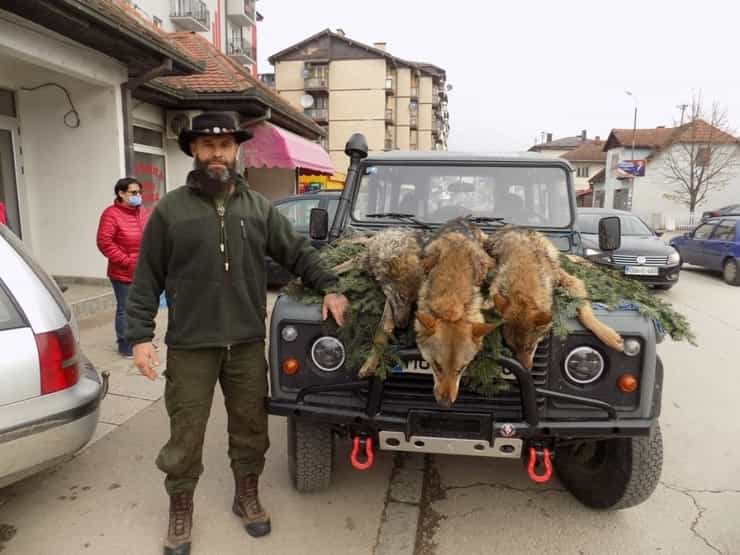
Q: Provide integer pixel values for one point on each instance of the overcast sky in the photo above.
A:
(522, 67)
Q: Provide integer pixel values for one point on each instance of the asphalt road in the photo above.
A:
(110, 498)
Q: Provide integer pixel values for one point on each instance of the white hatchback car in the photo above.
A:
(49, 392)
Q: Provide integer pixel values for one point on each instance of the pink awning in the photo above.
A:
(274, 147)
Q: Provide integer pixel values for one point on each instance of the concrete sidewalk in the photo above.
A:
(110, 498)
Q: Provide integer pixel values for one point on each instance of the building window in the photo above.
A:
(703, 156)
(149, 163)
(582, 171)
(7, 103)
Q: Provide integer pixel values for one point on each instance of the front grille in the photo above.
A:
(402, 392)
(628, 259)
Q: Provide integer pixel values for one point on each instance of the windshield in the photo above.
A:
(631, 225)
(531, 196)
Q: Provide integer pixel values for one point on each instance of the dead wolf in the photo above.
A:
(527, 272)
(449, 324)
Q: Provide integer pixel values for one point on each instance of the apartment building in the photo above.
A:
(230, 25)
(349, 87)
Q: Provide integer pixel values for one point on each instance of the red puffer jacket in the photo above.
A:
(119, 239)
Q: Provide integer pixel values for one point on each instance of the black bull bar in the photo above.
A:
(531, 425)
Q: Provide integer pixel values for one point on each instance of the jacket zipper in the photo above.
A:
(223, 235)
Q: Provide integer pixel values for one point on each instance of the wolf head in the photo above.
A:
(525, 324)
(448, 347)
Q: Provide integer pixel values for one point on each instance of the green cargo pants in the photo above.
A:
(191, 378)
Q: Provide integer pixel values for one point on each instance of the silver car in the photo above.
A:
(49, 392)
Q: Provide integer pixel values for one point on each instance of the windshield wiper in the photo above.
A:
(487, 219)
(399, 216)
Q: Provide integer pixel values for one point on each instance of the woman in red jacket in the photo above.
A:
(119, 238)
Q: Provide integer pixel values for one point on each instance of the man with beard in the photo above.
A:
(205, 246)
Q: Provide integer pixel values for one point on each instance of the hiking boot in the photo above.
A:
(181, 523)
(247, 506)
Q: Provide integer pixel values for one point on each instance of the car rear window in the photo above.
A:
(725, 231)
(10, 316)
(50, 285)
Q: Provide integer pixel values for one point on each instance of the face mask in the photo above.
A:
(134, 200)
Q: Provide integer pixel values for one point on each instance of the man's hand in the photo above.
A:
(145, 359)
(336, 304)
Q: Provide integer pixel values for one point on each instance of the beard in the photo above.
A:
(214, 180)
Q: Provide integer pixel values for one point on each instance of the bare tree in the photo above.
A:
(703, 153)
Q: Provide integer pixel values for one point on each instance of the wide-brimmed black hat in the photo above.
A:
(211, 124)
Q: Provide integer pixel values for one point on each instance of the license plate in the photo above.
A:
(418, 366)
(640, 271)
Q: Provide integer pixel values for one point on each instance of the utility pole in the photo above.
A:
(682, 107)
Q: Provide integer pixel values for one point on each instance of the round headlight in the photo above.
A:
(289, 334)
(584, 365)
(632, 347)
(674, 258)
(327, 353)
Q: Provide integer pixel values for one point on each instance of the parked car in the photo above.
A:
(714, 244)
(49, 392)
(642, 256)
(732, 209)
(297, 209)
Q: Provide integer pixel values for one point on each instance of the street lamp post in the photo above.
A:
(634, 132)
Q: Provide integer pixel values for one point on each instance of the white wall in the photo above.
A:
(650, 203)
(69, 173)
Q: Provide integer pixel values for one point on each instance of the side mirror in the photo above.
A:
(610, 233)
(318, 227)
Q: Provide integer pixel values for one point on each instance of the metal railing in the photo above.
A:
(197, 9)
(239, 46)
(389, 144)
(314, 82)
(318, 114)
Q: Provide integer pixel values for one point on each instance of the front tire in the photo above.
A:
(310, 454)
(731, 271)
(612, 474)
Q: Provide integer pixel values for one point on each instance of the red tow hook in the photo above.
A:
(366, 444)
(534, 455)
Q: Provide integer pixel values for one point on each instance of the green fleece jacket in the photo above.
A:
(212, 267)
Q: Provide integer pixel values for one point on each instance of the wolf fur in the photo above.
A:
(393, 258)
(449, 324)
(527, 271)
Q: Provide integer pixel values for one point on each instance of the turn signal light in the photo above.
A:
(290, 366)
(627, 383)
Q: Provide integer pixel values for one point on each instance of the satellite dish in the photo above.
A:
(449, 87)
(307, 101)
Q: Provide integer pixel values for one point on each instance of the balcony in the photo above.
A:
(316, 83)
(390, 86)
(319, 115)
(241, 12)
(241, 50)
(414, 92)
(436, 127)
(190, 15)
(388, 144)
(389, 116)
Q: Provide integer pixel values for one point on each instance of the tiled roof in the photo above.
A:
(590, 151)
(124, 15)
(564, 143)
(425, 67)
(698, 131)
(223, 75)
